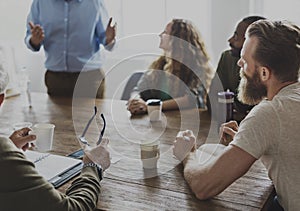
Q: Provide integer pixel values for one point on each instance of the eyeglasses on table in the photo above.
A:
(82, 138)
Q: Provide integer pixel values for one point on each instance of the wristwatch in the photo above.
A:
(98, 167)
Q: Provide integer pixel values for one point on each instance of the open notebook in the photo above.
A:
(56, 169)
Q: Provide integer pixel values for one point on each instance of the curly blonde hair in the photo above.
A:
(188, 59)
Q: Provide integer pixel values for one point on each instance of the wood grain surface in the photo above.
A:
(126, 185)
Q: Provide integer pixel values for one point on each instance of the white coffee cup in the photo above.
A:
(154, 107)
(150, 154)
(44, 136)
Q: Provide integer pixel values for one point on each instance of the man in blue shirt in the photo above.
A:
(71, 33)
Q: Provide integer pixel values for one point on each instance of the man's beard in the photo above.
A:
(236, 52)
(251, 89)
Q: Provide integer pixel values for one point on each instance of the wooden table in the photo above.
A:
(126, 186)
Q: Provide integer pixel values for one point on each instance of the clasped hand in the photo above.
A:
(185, 142)
(137, 106)
(228, 131)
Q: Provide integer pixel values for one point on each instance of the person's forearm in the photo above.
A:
(214, 168)
(190, 165)
(198, 175)
(175, 104)
(85, 188)
(25, 182)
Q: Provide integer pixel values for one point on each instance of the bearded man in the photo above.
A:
(270, 62)
(228, 70)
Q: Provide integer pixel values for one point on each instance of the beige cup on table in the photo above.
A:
(150, 154)
(44, 136)
(154, 107)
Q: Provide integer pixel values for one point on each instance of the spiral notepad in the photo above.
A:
(40, 158)
(51, 166)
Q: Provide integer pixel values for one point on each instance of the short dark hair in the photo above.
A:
(252, 19)
(278, 47)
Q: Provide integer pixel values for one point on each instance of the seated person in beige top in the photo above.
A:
(270, 62)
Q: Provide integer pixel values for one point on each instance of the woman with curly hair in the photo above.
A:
(181, 76)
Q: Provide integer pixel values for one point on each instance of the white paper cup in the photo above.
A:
(154, 107)
(44, 136)
(150, 155)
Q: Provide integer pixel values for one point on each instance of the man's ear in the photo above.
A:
(1, 98)
(265, 74)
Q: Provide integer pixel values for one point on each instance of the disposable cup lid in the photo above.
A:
(150, 143)
(44, 126)
(227, 94)
(151, 102)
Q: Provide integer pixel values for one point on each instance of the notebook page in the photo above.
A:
(49, 165)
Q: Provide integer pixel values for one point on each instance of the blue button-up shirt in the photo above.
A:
(73, 30)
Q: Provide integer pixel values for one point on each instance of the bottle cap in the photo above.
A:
(226, 97)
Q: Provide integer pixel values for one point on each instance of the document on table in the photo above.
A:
(56, 169)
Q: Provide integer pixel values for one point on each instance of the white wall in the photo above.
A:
(282, 10)
(225, 16)
(138, 31)
(216, 20)
(13, 15)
